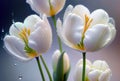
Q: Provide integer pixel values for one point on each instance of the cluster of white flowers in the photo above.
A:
(80, 30)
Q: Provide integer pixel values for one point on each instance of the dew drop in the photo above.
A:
(2, 30)
(15, 64)
(20, 77)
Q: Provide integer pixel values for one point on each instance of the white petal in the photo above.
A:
(106, 75)
(94, 75)
(112, 33)
(67, 11)
(80, 62)
(81, 10)
(72, 28)
(111, 21)
(96, 37)
(57, 5)
(66, 62)
(60, 33)
(99, 16)
(33, 6)
(41, 38)
(42, 5)
(78, 72)
(55, 58)
(31, 20)
(16, 28)
(16, 47)
(101, 65)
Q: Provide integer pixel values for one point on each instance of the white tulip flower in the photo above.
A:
(98, 71)
(48, 7)
(83, 31)
(29, 39)
(66, 61)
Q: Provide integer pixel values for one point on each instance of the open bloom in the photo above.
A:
(48, 7)
(66, 61)
(30, 38)
(98, 71)
(84, 31)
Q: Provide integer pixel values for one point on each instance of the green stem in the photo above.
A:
(40, 68)
(59, 40)
(84, 66)
(49, 75)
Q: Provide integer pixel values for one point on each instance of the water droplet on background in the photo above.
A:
(2, 30)
(15, 64)
(20, 77)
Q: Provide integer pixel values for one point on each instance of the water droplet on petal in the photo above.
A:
(112, 21)
(20, 77)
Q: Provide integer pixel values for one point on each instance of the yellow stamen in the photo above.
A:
(87, 24)
(88, 21)
(24, 33)
(28, 31)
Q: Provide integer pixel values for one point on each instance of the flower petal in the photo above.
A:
(33, 6)
(41, 39)
(78, 72)
(72, 29)
(16, 47)
(41, 6)
(96, 37)
(55, 58)
(15, 28)
(94, 75)
(112, 33)
(99, 16)
(80, 62)
(81, 10)
(106, 75)
(31, 20)
(67, 11)
(57, 5)
(101, 65)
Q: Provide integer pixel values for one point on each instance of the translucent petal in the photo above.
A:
(15, 28)
(96, 37)
(15, 46)
(106, 75)
(99, 16)
(41, 38)
(67, 11)
(94, 75)
(81, 10)
(31, 20)
(100, 65)
(72, 29)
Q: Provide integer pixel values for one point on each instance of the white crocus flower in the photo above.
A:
(84, 31)
(98, 71)
(29, 39)
(66, 61)
(48, 7)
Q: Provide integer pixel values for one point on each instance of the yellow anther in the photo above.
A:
(24, 33)
(87, 23)
(28, 31)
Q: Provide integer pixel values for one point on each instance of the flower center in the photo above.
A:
(87, 23)
(24, 34)
(52, 11)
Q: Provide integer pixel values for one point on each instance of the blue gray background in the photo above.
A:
(13, 70)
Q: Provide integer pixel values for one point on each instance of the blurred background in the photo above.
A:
(13, 70)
